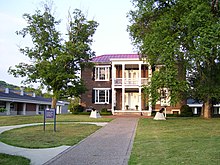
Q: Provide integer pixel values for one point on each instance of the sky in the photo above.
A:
(111, 36)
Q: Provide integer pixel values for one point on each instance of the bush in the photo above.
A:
(2, 110)
(186, 111)
(77, 108)
(104, 110)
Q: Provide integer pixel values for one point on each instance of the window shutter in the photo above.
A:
(110, 96)
(93, 73)
(110, 72)
(93, 96)
(153, 68)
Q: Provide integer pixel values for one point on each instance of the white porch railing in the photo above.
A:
(130, 81)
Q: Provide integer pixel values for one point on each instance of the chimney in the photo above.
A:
(6, 90)
(22, 91)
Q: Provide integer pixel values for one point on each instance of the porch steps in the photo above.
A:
(131, 114)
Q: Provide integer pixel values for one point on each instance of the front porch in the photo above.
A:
(130, 101)
(132, 112)
(128, 78)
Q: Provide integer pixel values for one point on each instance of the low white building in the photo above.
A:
(14, 102)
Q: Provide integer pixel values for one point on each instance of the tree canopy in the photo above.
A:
(182, 36)
(55, 62)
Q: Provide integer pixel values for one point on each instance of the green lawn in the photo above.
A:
(177, 141)
(15, 120)
(35, 137)
(172, 142)
(13, 160)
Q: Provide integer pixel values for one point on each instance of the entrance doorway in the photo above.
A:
(131, 100)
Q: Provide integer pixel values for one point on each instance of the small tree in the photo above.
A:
(55, 63)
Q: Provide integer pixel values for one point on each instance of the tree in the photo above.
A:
(156, 32)
(55, 63)
(204, 74)
(182, 35)
(6, 85)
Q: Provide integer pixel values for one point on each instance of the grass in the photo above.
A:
(6, 159)
(177, 141)
(35, 137)
(15, 120)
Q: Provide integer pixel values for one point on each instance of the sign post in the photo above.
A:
(50, 114)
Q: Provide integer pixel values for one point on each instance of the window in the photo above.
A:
(102, 73)
(101, 96)
(216, 111)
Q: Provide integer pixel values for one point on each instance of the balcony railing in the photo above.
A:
(130, 81)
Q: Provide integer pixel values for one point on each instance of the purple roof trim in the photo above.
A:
(107, 57)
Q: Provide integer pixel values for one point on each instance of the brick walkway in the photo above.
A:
(111, 145)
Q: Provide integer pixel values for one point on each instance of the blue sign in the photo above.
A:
(50, 113)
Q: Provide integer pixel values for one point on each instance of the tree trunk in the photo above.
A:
(182, 77)
(207, 109)
(54, 102)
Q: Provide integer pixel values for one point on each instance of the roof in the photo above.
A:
(14, 97)
(107, 57)
(193, 101)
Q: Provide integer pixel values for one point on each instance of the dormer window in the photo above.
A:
(102, 73)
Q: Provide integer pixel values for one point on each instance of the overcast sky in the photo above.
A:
(110, 37)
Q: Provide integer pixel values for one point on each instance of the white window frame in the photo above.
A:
(106, 72)
(97, 97)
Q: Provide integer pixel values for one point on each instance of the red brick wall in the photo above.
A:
(169, 108)
(86, 98)
(118, 99)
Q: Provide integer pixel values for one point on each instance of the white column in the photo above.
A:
(123, 75)
(149, 72)
(149, 80)
(113, 75)
(139, 84)
(113, 87)
(195, 110)
(123, 87)
(24, 108)
(113, 101)
(37, 109)
(139, 78)
(140, 100)
(7, 108)
(58, 109)
(123, 98)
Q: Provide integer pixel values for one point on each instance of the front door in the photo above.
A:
(131, 100)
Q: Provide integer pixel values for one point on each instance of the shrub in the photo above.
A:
(77, 108)
(104, 110)
(2, 109)
(186, 111)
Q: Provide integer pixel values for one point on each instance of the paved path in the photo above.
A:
(111, 145)
(37, 156)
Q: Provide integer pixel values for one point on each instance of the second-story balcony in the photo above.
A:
(130, 82)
